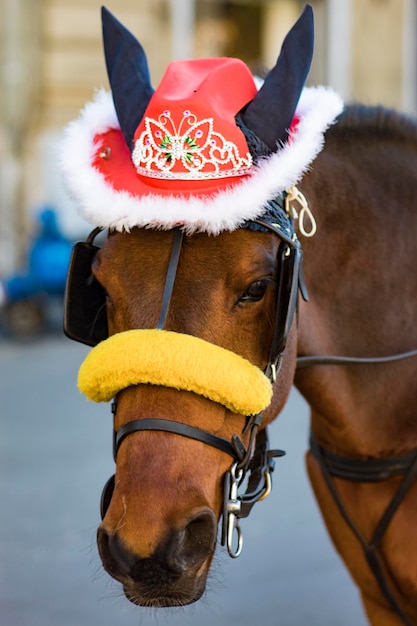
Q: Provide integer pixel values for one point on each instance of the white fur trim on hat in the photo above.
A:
(226, 209)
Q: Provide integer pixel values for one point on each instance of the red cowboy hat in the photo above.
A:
(206, 150)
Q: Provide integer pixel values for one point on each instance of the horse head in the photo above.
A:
(190, 301)
(160, 517)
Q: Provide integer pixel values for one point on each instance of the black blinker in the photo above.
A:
(85, 299)
(106, 496)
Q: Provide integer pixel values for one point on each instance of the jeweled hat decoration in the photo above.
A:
(184, 154)
(201, 142)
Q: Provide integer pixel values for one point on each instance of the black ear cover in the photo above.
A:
(270, 113)
(128, 72)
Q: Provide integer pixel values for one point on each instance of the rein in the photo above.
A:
(366, 470)
(309, 361)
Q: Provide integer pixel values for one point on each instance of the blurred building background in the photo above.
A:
(51, 61)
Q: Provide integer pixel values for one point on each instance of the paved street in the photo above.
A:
(55, 455)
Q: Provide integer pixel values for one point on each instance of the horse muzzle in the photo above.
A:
(175, 574)
(162, 555)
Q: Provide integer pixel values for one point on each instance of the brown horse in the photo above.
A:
(160, 512)
(159, 531)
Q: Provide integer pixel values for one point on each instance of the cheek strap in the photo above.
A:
(169, 359)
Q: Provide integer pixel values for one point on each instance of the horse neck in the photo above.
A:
(360, 272)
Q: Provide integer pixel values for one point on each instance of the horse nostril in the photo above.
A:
(192, 545)
(117, 560)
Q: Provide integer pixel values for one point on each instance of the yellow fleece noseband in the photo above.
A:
(160, 357)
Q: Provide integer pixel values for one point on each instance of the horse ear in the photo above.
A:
(270, 113)
(128, 73)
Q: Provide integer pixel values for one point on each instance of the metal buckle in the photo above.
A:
(233, 505)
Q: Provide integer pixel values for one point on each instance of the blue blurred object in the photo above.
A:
(28, 292)
(48, 259)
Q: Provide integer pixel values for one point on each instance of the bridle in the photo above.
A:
(256, 462)
(252, 465)
(366, 470)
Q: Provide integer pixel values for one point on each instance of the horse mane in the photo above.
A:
(373, 121)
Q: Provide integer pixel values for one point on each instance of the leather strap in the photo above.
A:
(289, 272)
(262, 463)
(171, 274)
(370, 549)
(177, 428)
(309, 361)
(362, 470)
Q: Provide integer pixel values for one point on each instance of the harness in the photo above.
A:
(366, 470)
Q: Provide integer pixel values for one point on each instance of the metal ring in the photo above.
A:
(268, 486)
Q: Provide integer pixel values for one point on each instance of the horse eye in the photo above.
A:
(255, 291)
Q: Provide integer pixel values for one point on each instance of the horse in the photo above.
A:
(192, 317)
